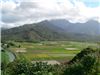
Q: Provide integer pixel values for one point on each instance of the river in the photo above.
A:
(11, 56)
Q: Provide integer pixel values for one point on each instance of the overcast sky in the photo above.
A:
(19, 12)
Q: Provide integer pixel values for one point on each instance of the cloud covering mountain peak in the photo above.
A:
(17, 12)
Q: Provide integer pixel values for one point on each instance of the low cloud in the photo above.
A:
(22, 12)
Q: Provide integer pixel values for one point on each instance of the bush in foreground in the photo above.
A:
(84, 63)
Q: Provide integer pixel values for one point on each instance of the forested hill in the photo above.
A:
(45, 30)
(32, 32)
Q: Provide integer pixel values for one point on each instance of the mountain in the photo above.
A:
(33, 32)
(52, 30)
(90, 28)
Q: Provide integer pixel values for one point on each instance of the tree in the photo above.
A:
(83, 63)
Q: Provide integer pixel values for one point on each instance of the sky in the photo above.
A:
(18, 12)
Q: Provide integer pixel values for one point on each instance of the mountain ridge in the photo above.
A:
(90, 28)
(45, 30)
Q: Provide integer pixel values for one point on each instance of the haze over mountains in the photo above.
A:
(56, 29)
(91, 27)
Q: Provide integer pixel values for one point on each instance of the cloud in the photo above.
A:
(15, 13)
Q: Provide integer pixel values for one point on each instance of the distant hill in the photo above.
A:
(90, 28)
(51, 30)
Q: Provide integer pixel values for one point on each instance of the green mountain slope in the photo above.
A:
(39, 31)
(44, 30)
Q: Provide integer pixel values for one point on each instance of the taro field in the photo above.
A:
(56, 51)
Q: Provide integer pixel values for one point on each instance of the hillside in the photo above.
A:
(90, 28)
(40, 31)
(51, 30)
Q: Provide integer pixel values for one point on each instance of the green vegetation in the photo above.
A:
(48, 50)
(32, 33)
(4, 57)
(68, 58)
(47, 31)
(84, 63)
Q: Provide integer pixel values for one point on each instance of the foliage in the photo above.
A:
(87, 62)
(22, 67)
(84, 63)
(83, 53)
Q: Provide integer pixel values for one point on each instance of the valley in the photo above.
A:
(51, 47)
(50, 37)
(61, 51)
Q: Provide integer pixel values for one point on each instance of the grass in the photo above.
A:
(50, 50)
(4, 57)
(40, 56)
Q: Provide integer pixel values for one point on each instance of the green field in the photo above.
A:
(49, 50)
